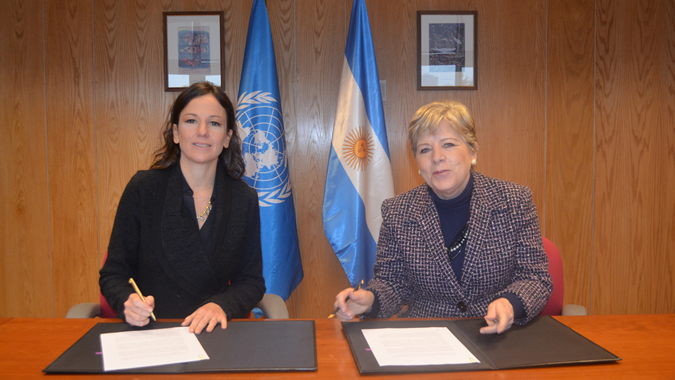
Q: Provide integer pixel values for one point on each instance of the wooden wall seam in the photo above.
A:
(578, 104)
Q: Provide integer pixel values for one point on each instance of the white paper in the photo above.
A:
(147, 348)
(417, 346)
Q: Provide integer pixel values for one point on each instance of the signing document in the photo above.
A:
(146, 348)
(417, 346)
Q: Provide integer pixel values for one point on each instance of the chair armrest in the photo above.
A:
(273, 306)
(573, 310)
(84, 310)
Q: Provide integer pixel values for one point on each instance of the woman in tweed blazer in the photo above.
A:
(460, 245)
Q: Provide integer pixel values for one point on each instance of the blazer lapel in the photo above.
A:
(481, 216)
(430, 229)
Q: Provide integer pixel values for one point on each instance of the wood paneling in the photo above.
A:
(66, 158)
(25, 267)
(634, 249)
(569, 141)
(321, 39)
(131, 104)
(509, 109)
(71, 140)
(282, 23)
(394, 30)
(510, 105)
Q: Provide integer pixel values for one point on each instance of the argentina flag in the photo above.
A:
(359, 171)
(261, 129)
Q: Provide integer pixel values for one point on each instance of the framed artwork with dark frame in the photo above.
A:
(194, 49)
(446, 50)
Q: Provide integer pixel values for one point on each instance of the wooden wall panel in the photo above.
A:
(282, 22)
(321, 38)
(71, 144)
(513, 128)
(634, 254)
(509, 105)
(665, 198)
(25, 268)
(394, 30)
(569, 141)
(131, 104)
(110, 89)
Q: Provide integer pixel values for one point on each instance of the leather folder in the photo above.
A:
(542, 342)
(243, 346)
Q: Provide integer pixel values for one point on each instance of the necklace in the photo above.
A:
(455, 247)
(205, 213)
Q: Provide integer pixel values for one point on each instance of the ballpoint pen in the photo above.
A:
(138, 291)
(346, 300)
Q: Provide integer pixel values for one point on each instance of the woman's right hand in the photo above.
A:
(360, 301)
(137, 312)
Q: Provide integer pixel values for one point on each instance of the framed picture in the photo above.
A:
(194, 46)
(446, 50)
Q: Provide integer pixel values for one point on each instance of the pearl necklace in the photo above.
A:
(205, 213)
(456, 246)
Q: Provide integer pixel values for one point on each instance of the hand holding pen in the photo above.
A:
(137, 308)
(351, 302)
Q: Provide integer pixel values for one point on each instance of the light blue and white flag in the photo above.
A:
(359, 170)
(261, 130)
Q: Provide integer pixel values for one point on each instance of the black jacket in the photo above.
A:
(156, 241)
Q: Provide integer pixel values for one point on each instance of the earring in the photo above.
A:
(419, 172)
(473, 162)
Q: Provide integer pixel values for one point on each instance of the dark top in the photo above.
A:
(155, 240)
(454, 215)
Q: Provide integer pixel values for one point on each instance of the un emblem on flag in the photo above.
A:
(263, 146)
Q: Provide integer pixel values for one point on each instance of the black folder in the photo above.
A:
(542, 342)
(243, 346)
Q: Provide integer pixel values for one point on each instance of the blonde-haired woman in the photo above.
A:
(460, 245)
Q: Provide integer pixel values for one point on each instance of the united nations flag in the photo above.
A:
(261, 128)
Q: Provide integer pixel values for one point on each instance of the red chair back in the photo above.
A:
(106, 310)
(555, 268)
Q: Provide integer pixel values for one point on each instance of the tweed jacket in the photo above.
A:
(504, 253)
(156, 241)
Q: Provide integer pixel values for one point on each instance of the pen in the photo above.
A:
(346, 300)
(138, 291)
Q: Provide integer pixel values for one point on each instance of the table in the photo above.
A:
(646, 343)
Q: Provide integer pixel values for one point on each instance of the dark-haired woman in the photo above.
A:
(188, 230)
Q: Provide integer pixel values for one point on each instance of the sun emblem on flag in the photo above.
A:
(358, 148)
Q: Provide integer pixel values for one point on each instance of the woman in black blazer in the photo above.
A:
(188, 230)
(460, 245)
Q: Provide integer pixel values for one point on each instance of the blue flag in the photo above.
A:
(359, 169)
(261, 129)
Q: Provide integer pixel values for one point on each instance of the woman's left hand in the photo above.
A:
(499, 317)
(207, 316)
